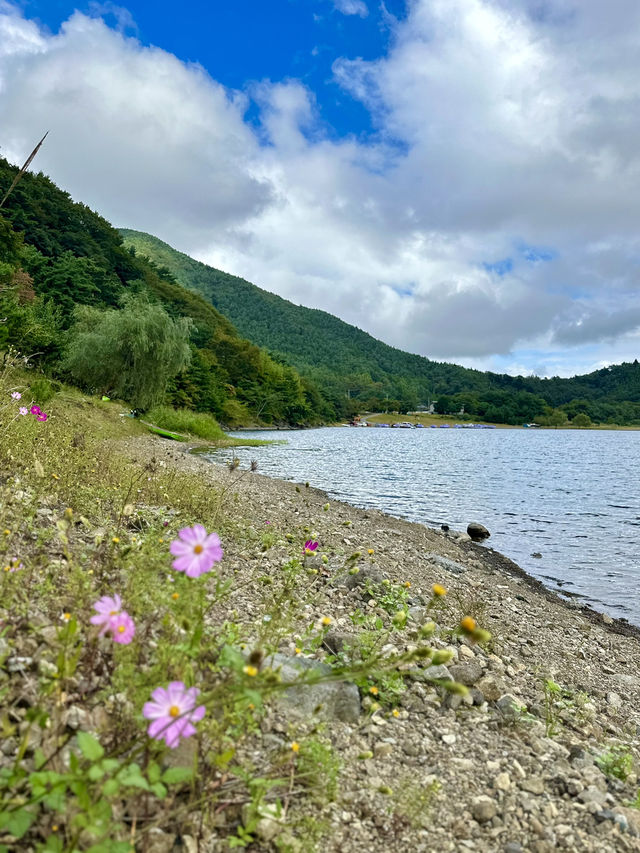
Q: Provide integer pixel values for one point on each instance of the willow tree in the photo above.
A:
(130, 353)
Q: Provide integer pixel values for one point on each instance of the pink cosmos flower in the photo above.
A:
(310, 546)
(106, 608)
(196, 551)
(122, 628)
(41, 416)
(172, 713)
(35, 410)
(23, 410)
(16, 395)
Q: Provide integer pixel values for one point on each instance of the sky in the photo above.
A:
(459, 178)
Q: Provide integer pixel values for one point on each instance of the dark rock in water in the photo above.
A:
(444, 528)
(537, 555)
(478, 532)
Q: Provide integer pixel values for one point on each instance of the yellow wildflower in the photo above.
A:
(438, 591)
(250, 670)
(295, 746)
(468, 624)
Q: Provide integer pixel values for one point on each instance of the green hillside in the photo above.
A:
(67, 282)
(355, 371)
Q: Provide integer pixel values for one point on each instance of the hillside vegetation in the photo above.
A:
(355, 371)
(88, 310)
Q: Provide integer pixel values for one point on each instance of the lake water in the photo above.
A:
(570, 495)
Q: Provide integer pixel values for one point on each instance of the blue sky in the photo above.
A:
(242, 40)
(460, 178)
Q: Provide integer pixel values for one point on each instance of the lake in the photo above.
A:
(570, 495)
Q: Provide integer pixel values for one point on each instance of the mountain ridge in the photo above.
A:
(347, 362)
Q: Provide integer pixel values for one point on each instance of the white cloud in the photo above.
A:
(501, 125)
(352, 7)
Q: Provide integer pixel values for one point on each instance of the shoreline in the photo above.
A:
(557, 686)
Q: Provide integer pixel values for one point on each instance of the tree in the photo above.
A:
(557, 418)
(581, 420)
(130, 353)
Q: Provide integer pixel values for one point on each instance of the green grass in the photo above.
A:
(199, 424)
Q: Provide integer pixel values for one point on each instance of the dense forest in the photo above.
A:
(356, 372)
(86, 309)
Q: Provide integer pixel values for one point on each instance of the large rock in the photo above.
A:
(477, 532)
(446, 564)
(330, 700)
(467, 673)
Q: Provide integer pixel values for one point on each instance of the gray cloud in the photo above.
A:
(591, 326)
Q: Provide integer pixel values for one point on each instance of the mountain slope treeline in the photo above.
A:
(57, 255)
(356, 372)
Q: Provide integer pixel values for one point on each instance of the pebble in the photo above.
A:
(449, 739)
(502, 782)
(533, 784)
(483, 809)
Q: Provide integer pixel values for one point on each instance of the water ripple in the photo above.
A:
(570, 495)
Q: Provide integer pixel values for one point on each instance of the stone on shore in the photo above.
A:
(477, 532)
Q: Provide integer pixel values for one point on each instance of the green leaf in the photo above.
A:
(18, 822)
(90, 746)
(159, 790)
(96, 771)
(153, 772)
(52, 845)
(177, 774)
(111, 787)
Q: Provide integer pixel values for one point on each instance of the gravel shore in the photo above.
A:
(541, 754)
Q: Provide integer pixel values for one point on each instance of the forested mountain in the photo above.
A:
(355, 371)
(67, 281)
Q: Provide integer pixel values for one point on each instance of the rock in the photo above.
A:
(502, 782)
(449, 739)
(336, 700)
(366, 574)
(158, 841)
(465, 652)
(19, 664)
(592, 795)
(446, 564)
(533, 784)
(509, 705)
(492, 687)
(607, 619)
(477, 532)
(483, 809)
(337, 641)
(267, 829)
(614, 699)
(467, 673)
(382, 749)
(513, 847)
(76, 718)
(183, 755)
(438, 673)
